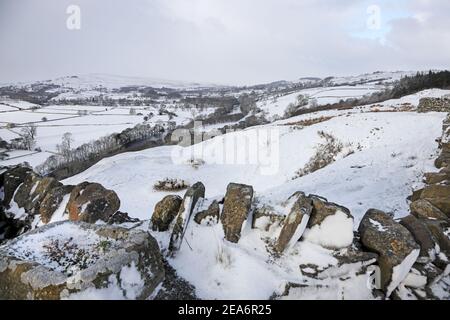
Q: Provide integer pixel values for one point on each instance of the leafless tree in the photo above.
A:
(28, 134)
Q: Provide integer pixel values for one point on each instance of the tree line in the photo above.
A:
(91, 152)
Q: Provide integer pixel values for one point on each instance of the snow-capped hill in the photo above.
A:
(381, 77)
(108, 81)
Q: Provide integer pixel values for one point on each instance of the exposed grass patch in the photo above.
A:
(326, 153)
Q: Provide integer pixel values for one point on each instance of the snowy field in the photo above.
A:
(94, 122)
(276, 107)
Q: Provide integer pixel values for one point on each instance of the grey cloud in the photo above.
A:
(223, 41)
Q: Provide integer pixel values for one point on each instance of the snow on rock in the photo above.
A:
(165, 211)
(299, 209)
(73, 259)
(394, 243)
(90, 202)
(191, 197)
(335, 231)
(400, 272)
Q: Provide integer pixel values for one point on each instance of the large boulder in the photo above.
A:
(394, 244)
(12, 179)
(300, 209)
(236, 208)
(428, 246)
(52, 201)
(330, 225)
(439, 196)
(210, 215)
(77, 260)
(191, 197)
(165, 211)
(32, 191)
(423, 209)
(90, 202)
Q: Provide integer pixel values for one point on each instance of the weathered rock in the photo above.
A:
(324, 209)
(296, 221)
(415, 195)
(435, 177)
(34, 189)
(12, 179)
(121, 217)
(265, 217)
(210, 215)
(165, 211)
(330, 225)
(420, 232)
(236, 208)
(440, 229)
(127, 261)
(423, 209)
(192, 195)
(395, 245)
(52, 201)
(439, 196)
(90, 202)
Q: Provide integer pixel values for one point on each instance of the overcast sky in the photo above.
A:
(222, 41)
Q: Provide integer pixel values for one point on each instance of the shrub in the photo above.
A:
(170, 185)
(326, 153)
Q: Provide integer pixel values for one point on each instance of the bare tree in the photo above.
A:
(28, 134)
(66, 145)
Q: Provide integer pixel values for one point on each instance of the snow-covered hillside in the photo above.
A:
(383, 144)
(391, 151)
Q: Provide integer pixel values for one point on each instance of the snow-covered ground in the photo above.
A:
(384, 145)
(392, 150)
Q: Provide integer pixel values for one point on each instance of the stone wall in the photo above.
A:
(434, 104)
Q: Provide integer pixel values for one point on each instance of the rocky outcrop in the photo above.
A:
(394, 244)
(36, 199)
(209, 216)
(236, 208)
(90, 202)
(75, 260)
(52, 201)
(191, 197)
(165, 211)
(11, 180)
(295, 223)
(32, 191)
